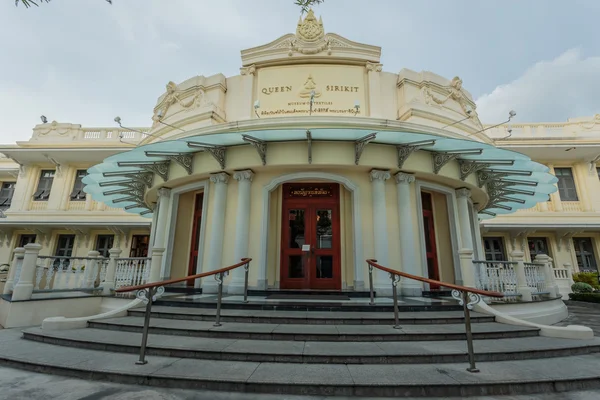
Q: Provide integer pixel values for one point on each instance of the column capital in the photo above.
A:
(379, 174)
(404, 178)
(243, 175)
(373, 67)
(221, 177)
(164, 192)
(463, 192)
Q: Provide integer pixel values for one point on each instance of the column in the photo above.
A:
(548, 274)
(158, 247)
(242, 229)
(217, 229)
(466, 250)
(374, 77)
(24, 288)
(247, 93)
(581, 184)
(111, 271)
(382, 283)
(406, 221)
(18, 254)
(522, 288)
(67, 188)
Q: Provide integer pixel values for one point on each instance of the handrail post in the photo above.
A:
(219, 278)
(246, 269)
(371, 284)
(147, 296)
(467, 301)
(395, 279)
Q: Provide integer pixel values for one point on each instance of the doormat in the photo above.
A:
(282, 296)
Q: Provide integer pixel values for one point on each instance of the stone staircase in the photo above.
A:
(306, 351)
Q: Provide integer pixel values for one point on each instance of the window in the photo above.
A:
(104, 243)
(566, 184)
(494, 249)
(584, 252)
(78, 194)
(26, 239)
(64, 247)
(6, 193)
(44, 185)
(139, 246)
(538, 245)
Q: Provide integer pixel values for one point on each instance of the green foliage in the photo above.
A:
(29, 3)
(582, 287)
(591, 278)
(305, 5)
(588, 297)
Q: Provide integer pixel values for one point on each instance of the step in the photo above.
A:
(401, 380)
(315, 317)
(382, 304)
(324, 332)
(315, 352)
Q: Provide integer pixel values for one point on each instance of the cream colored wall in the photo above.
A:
(183, 235)
(443, 240)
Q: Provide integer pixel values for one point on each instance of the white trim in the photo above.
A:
(175, 193)
(356, 216)
(453, 222)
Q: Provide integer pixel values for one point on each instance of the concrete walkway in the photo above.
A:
(17, 384)
(581, 313)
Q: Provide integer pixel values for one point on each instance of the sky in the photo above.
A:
(86, 61)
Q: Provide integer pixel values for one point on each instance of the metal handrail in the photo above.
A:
(150, 292)
(466, 296)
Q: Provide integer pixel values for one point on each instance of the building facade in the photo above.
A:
(310, 161)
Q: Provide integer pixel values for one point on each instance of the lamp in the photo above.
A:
(458, 122)
(160, 114)
(44, 119)
(356, 107)
(511, 115)
(118, 121)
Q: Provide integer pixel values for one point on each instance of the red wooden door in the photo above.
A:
(194, 245)
(430, 243)
(312, 222)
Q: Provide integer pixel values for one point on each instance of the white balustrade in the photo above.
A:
(76, 206)
(54, 273)
(18, 267)
(498, 276)
(536, 279)
(571, 206)
(38, 206)
(132, 271)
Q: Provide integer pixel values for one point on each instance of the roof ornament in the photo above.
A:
(311, 29)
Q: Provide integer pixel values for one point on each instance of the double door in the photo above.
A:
(310, 248)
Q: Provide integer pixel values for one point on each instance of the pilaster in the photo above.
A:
(242, 228)
(406, 223)
(216, 230)
(380, 234)
(374, 78)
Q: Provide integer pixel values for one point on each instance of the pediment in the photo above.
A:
(310, 42)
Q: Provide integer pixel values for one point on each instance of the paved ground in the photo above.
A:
(586, 314)
(17, 384)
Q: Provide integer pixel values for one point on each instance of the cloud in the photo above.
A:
(549, 91)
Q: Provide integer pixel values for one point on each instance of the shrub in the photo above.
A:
(587, 297)
(591, 278)
(581, 287)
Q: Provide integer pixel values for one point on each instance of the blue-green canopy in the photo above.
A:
(513, 181)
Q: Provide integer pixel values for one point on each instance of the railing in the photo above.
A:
(497, 276)
(466, 296)
(39, 206)
(149, 292)
(571, 206)
(132, 271)
(535, 277)
(68, 273)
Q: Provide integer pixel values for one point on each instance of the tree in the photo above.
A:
(303, 4)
